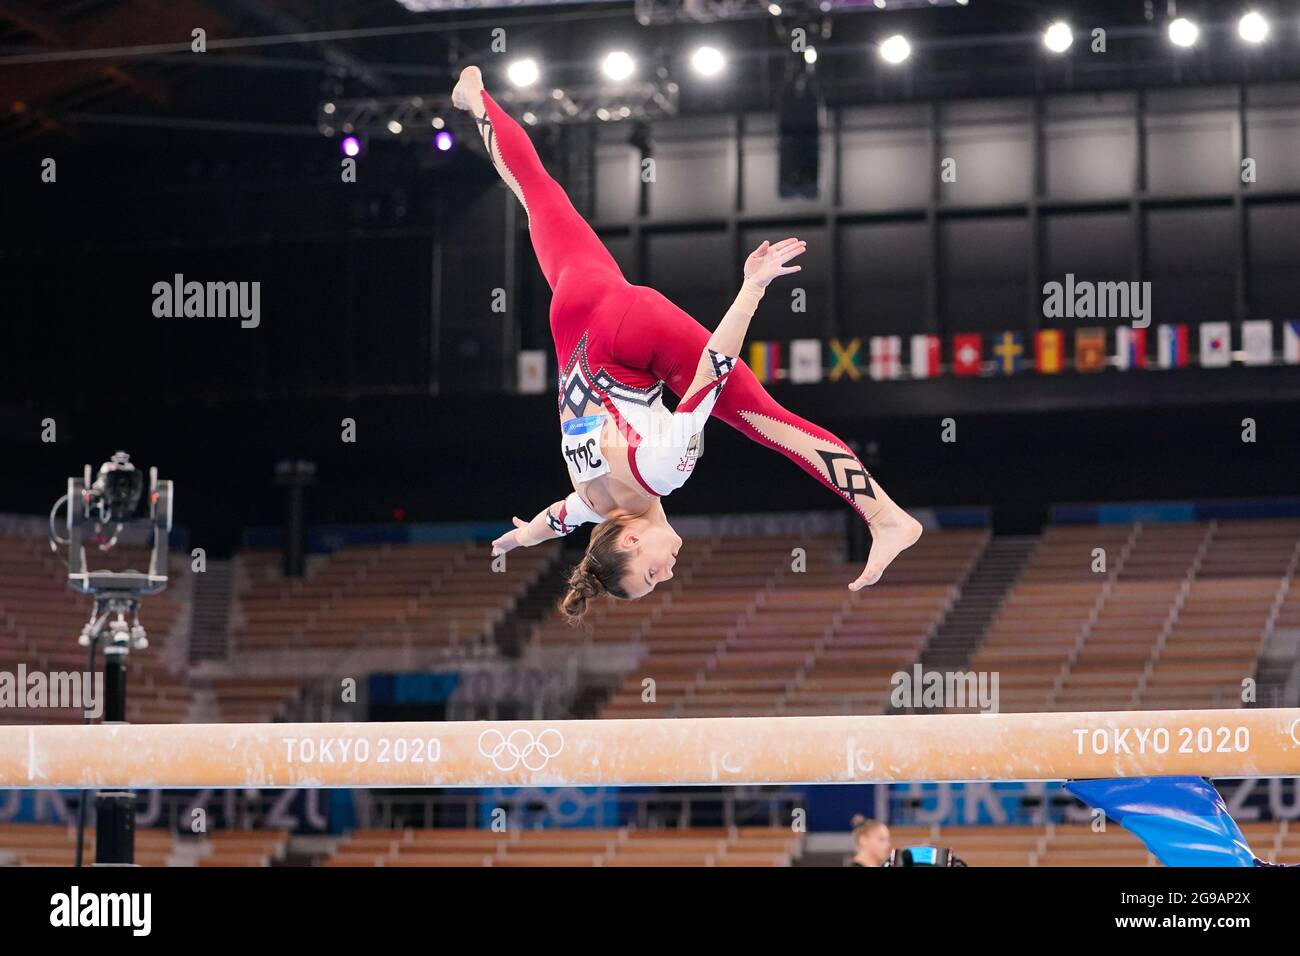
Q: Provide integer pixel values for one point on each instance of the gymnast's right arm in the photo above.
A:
(556, 521)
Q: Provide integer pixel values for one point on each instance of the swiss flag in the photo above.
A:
(967, 353)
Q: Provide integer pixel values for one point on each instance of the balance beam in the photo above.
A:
(714, 751)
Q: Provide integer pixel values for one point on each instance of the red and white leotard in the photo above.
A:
(662, 447)
(620, 345)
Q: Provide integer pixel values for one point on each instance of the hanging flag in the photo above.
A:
(1010, 350)
(1182, 820)
(1257, 342)
(765, 360)
(1049, 351)
(1130, 347)
(886, 357)
(966, 353)
(844, 359)
(805, 361)
(1089, 349)
(1291, 342)
(1216, 345)
(1172, 346)
(532, 371)
(925, 356)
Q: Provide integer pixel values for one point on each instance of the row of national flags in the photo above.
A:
(1046, 352)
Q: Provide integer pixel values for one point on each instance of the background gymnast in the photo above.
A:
(618, 346)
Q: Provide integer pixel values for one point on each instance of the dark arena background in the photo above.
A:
(1049, 299)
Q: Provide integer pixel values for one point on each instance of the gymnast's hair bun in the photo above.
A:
(583, 586)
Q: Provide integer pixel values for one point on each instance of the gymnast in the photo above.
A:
(619, 345)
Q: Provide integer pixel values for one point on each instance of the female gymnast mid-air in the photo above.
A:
(618, 346)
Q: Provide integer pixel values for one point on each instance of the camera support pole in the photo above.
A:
(117, 597)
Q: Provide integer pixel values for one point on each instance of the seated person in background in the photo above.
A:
(870, 842)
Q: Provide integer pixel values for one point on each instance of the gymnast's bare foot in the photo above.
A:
(468, 94)
(893, 530)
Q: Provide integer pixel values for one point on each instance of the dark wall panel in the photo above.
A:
(1192, 141)
(1191, 264)
(618, 175)
(985, 265)
(1273, 135)
(694, 170)
(992, 143)
(695, 270)
(1275, 279)
(1095, 246)
(1090, 146)
(885, 157)
(883, 269)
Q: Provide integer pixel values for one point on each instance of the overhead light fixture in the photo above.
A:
(895, 49)
(1058, 37)
(618, 65)
(523, 72)
(810, 55)
(1183, 32)
(708, 61)
(1252, 27)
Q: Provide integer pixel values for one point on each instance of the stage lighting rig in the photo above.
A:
(660, 12)
(408, 118)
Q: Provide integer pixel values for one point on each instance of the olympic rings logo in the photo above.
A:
(520, 747)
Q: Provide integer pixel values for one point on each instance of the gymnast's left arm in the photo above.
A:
(555, 521)
(763, 265)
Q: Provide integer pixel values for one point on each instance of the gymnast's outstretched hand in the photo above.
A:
(769, 260)
(512, 539)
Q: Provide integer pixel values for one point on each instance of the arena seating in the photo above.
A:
(49, 845)
(41, 619)
(1177, 619)
(745, 627)
(426, 594)
(358, 603)
(737, 846)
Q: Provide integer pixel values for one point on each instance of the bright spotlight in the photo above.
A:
(618, 65)
(523, 72)
(810, 55)
(895, 49)
(1252, 27)
(443, 140)
(351, 146)
(774, 9)
(394, 127)
(1058, 37)
(708, 61)
(1183, 32)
